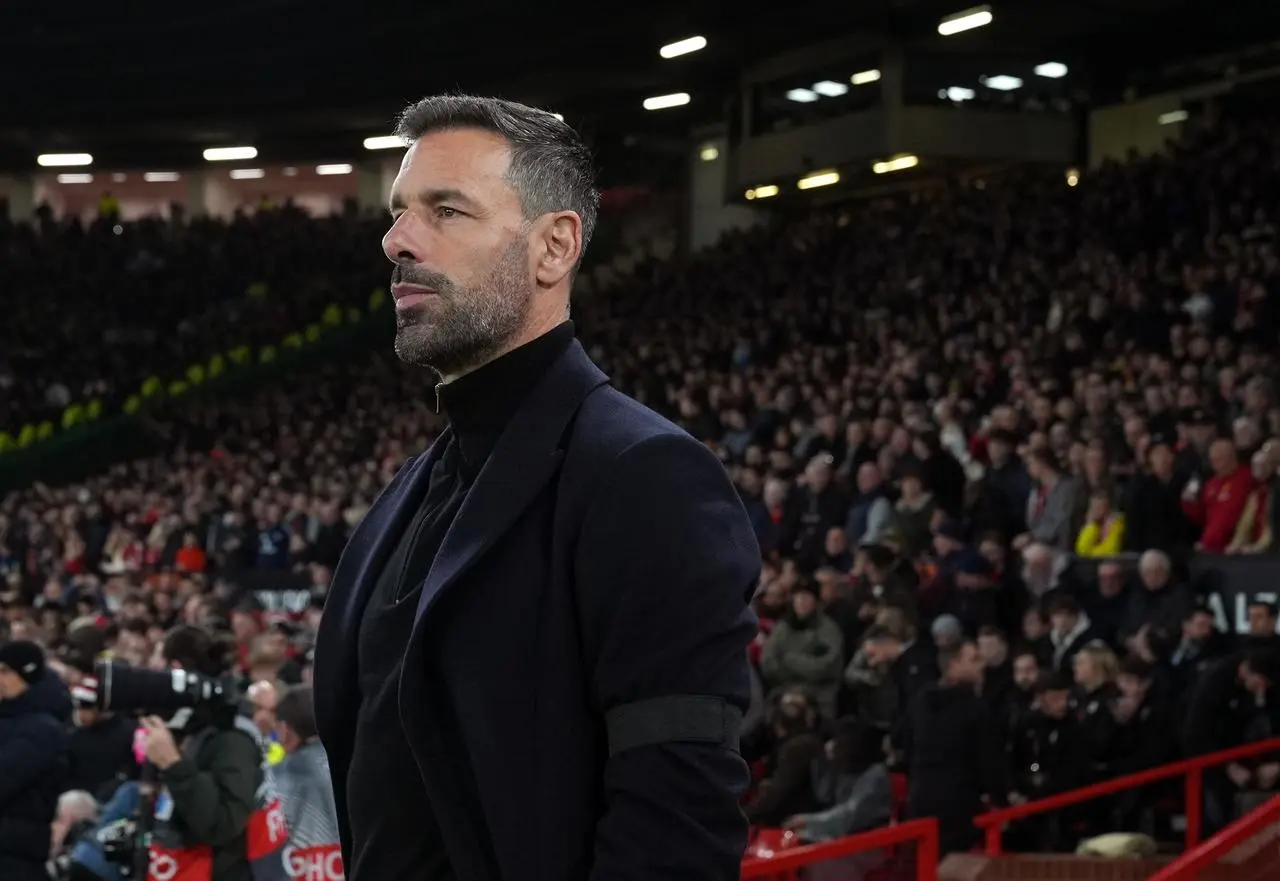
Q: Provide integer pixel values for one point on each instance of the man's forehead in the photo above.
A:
(455, 157)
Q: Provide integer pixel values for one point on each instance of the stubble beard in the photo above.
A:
(466, 327)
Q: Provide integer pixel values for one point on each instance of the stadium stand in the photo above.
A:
(1011, 448)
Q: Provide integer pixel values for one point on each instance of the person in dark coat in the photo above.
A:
(101, 747)
(34, 710)
(1153, 516)
(553, 599)
(954, 751)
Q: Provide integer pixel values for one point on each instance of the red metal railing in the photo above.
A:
(993, 822)
(1188, 866)
(786, 863)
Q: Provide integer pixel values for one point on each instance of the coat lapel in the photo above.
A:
(525, 457)
(355, 576)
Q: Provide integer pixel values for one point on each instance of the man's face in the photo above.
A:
(968, 666)
(992, 649)
(1261, 622)
(462, 282)
(10, 683)
(1054, 704)
(1198, 627)
(1025, 672)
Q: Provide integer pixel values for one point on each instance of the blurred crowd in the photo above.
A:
(979, 430)
(93, 310)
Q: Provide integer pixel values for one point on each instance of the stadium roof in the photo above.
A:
(152, 82)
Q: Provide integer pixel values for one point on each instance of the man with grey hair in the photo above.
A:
(549, 606)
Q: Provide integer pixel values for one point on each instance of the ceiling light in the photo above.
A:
(1002, 82)
(63, 160)
(75, 178)
(337, 168)
(957, 94)
(897, 163)
(818, 179)
(247, 174)
(1054, 70)
(762, 192)
(665, 102)
(862, 77)
(709, 154)
(1172, 117)
(802, 96)
(384, 142)
(160, 177)
(977, 17)
(683, 47)
(230, 154)
(830, 88)
(1073, 176)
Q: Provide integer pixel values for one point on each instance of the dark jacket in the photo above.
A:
(102, 756)
(954, 756)
(601, 559)
(214, 793)
(33, 773)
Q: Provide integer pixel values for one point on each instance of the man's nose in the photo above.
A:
(398, 244)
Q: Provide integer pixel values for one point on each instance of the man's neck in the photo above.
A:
(533, 329)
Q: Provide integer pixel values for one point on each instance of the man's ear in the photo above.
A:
(561, 247)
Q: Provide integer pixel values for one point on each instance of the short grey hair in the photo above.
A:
(551, 169)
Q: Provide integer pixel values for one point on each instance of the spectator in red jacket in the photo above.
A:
(1218, 505)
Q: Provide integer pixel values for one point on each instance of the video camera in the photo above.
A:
(117, 687)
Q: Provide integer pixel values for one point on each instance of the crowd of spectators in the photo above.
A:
(935, 406)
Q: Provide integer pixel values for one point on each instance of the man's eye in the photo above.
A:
(446, 212)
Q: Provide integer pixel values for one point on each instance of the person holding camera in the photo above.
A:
(33, 759)
(211, 772)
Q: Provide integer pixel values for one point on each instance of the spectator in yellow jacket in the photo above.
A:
(1103, 532)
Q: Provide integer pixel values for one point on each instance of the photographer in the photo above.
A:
(210, 781)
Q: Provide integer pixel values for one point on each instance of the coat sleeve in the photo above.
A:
(33, 750)
(215, 803)
(666, 562)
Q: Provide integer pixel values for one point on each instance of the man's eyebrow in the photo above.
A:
(435, 196)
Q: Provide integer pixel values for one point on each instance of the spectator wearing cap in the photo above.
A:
(805, 650)
(33, 761)
(1050, 504)
(1196, 431)
(1153, 511)
(1216, 506)
(1049, 755)
(101, 746)
(964, 580)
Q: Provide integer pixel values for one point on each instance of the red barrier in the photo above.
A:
(993, 822)
(1189, 866)
(784, 864)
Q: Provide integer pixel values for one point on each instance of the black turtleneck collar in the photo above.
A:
(480, 404)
